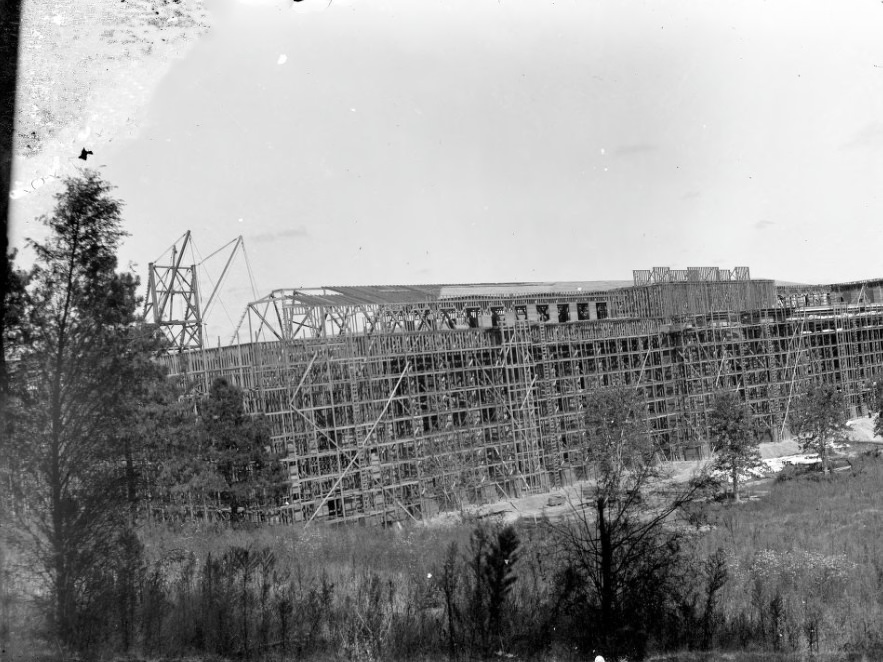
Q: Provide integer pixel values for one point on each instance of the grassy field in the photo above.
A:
(806, 561)
(804, 568)
(804, 580)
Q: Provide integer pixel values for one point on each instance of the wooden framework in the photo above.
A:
(336, 311)
(172, 301)
(392, 409)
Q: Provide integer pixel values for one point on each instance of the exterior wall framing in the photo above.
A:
(406, 416)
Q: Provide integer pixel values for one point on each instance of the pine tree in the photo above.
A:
(734, 435)
(178, 477)
(81, 367)
(240, 449)
(819, 416)
(874, 389)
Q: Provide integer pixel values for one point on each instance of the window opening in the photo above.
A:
(472, 317)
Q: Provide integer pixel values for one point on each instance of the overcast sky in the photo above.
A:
(394, 141)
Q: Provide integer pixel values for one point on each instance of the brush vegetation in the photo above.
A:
(796, 573)
(126, 528)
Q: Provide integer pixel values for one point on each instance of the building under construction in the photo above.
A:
(394, 402)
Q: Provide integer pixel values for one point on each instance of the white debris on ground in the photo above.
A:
(776, 456)
(862, 429)
(776, 464)
(556, 504)
(443, 520)
(779, 449)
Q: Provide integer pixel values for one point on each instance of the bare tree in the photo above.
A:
(622, 546)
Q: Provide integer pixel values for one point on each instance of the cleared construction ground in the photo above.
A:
(396, 402)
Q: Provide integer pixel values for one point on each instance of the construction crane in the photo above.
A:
(173, 301)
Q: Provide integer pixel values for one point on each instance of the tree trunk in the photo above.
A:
(449, 607)
(58, 505)
(129, 551)
(131, 482)
(823, 453)
(62, 598)
(245, 610)
(607, 593)
(736, 484)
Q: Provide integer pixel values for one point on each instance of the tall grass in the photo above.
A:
(354, 593)
(797, 573)
(806, 564)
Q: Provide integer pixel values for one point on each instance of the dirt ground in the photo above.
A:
(560, 503)
(87, 69)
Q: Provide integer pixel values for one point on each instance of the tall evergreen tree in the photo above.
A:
(734, 436)
(240, 449)
(79, 371)
(176, 478)
(819, 417)
(874, 400)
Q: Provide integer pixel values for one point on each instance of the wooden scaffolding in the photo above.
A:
(394, 404)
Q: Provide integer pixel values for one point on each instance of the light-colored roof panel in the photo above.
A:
(386, 294)
(398, 294)
(415, 294)
(506, 290)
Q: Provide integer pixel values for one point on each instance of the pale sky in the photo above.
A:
(450, 141)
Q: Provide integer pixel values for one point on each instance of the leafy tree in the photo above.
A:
(622, 548)
(734, 435)
(819, 417)
(239, 448)
(80, 370)
(874, 389)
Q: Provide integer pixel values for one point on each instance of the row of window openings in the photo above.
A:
(543, 313)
